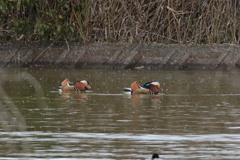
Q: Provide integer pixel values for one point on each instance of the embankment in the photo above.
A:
(123, 56)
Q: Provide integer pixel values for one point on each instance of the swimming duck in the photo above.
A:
(155, 156)
(151, 87)
(81, 85)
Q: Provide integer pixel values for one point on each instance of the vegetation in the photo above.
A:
(138, 21)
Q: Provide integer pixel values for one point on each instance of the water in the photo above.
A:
(196, 117)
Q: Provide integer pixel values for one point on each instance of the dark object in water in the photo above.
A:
(155, 155)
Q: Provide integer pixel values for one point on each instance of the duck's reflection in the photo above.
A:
(139, 99)
(77, 95)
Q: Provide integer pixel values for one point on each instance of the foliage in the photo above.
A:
(139, 21)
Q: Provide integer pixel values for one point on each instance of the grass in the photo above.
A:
(139, 21)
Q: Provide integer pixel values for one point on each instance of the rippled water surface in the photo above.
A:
(196, 117)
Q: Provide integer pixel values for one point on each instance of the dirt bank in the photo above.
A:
(153, 56)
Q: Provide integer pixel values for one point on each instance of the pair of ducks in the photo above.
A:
(151, 87)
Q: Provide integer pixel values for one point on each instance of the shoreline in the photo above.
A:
(120, 56)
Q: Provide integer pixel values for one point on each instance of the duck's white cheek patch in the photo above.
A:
(84, 82)
(155, 83)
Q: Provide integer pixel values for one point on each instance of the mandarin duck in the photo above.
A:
(81, 85)
(151, 87)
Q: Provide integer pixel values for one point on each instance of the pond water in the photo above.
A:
(196, 117)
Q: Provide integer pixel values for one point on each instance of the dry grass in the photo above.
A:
(138, 21)
(166, 21)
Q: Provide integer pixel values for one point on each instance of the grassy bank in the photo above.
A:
(139, 21)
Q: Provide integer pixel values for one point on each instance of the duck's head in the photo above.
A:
(84, 84)
(153, 86)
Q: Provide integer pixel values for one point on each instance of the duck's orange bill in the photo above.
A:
(161, 89)
(88, 86)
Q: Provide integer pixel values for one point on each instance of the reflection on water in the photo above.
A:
(196, 117)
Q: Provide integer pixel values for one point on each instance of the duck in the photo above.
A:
(80, 85)
(151, 87)
(155, 156)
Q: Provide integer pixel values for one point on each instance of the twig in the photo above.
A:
(43, 52)
(67, 45)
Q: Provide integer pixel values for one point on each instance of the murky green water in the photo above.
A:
(197, 116)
